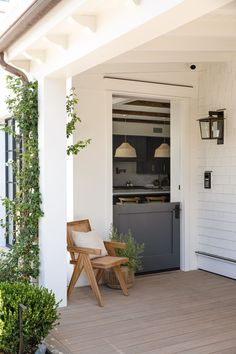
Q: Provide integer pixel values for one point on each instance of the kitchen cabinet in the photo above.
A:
(156, 165)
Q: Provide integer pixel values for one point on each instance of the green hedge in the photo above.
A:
(39, 318)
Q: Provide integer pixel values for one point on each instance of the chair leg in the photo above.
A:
(91, 276)
(76, 273)
(121, 279)
(99, 274)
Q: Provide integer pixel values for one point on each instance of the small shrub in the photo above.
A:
(38, 319)
(133, 249)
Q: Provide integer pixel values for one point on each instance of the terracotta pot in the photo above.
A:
(112, 282)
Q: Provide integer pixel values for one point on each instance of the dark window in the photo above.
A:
(10, 155)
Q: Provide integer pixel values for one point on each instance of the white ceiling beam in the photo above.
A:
(208, 28)
(87, 21)
(172, 57)
(59, 40)
(21, 64)
(136, 68)
(45, 26)
(186, 44)
(203, 27)
(38, 56)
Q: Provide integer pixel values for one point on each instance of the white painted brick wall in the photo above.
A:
(216, 208)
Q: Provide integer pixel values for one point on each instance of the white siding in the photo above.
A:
(216, 208)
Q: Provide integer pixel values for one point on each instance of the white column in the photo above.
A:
(52, 145)
(2, 185)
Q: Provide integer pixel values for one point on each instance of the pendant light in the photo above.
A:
(163, 150)
(125, 150)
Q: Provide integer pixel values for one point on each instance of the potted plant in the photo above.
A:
(133, 251)
(40, 315)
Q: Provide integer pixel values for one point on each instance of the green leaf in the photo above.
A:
(133, 249)
(71, 102)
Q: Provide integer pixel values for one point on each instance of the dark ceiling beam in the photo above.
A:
(141, 113)
(145, 121)
(149, 104)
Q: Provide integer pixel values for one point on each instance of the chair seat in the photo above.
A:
(108, 262)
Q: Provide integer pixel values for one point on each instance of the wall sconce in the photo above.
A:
(212, 127)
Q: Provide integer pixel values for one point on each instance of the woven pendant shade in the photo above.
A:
(125, 150)
(162, 151)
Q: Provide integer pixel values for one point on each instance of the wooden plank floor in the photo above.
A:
(166, 313)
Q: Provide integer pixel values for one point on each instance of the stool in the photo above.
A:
(129, 200)
(150, 199)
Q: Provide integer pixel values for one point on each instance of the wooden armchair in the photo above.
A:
(81, 260)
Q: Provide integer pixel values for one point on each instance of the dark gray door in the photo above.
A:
(157, 225)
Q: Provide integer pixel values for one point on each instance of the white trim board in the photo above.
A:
(131, 87)
(217, 266)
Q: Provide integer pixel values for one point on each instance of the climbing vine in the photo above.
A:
(21, 262)
(71, 101)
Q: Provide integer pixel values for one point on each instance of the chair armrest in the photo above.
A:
(111, 246)
(84, 250)
(117, 245)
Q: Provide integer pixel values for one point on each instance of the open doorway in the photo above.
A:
(141, 179)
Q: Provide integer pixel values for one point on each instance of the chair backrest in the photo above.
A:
(78, 225)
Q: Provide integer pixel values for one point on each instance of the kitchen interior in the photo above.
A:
(141, 179)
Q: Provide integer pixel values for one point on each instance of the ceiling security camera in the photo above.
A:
(192, 66)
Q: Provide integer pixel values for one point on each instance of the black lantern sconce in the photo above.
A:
(212, 127)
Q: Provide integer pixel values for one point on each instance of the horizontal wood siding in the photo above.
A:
(216, 208)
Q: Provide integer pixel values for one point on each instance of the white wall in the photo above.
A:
(93, 165)
(216, 207)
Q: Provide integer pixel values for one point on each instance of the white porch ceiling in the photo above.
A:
(211, 38)
(80, 34)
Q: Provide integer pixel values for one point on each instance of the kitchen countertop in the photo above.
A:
(139, 191)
